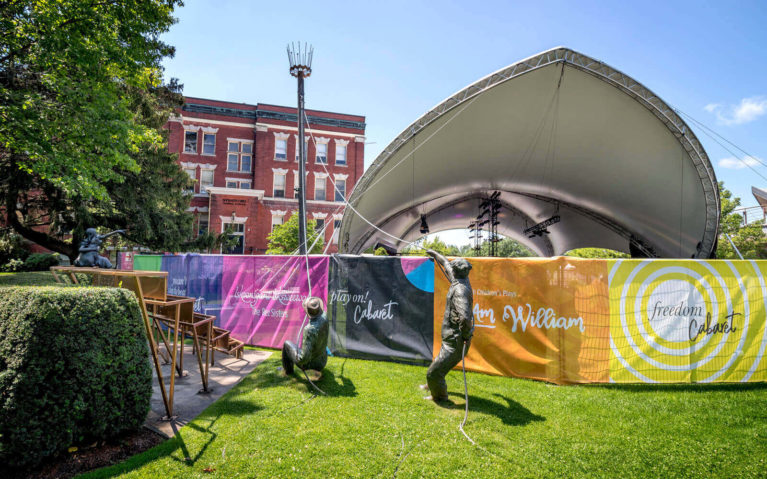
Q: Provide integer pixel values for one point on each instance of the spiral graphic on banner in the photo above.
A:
(687, 321)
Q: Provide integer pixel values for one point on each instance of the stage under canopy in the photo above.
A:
(558, 133)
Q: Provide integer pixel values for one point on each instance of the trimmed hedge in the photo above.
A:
(74, 368)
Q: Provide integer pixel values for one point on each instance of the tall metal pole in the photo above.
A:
(301, 169)
(301, 67)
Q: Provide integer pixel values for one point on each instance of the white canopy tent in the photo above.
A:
(556, 133)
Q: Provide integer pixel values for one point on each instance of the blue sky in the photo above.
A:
(392, 61)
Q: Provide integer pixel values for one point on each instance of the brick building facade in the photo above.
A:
(244, 159)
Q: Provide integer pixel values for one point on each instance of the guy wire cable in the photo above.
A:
(347, 204)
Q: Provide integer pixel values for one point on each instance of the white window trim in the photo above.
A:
(341, 142)
(318, 174)
(280, 213)
(228, 219)
(319, 215)
(340, 176)
(238, 140)
(278, 135)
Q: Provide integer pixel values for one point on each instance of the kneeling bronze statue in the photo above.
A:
(313, 352)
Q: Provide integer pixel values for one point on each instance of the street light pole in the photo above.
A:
(301, 67)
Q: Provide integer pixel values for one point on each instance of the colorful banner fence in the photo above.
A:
(564, 320)
(381, 308)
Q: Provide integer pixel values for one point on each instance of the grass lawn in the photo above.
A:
(374, 423)
(30, 278)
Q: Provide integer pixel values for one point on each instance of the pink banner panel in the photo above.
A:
(262, 296)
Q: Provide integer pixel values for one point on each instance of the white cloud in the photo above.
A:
(739, 163)
(748, 110)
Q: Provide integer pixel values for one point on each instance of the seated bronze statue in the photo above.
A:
(313, 352)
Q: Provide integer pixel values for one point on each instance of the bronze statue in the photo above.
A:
(89, 249)
(313, 353)
(457, 325)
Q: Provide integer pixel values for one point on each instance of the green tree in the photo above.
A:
(506, 248)
(435, 244)
(750, 239)
(80, 137)
(284, 238)
(596, 253)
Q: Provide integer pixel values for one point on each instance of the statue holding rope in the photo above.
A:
(457, 324)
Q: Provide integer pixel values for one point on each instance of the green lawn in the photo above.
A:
(30, 278)
(374, 423)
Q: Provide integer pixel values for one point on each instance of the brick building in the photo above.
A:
(244, 159)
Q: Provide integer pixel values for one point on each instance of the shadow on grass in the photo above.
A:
(700, 388)
(176, 444)
(511, 413)
(271, 375)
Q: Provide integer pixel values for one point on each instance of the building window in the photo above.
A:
(192, 172)
(190, 142)
(319, 188)
(206, 179)
(238, 233)
(276, 221)
(340, 189)
(306, 149)
(202, 226)
(320, 224)
(208, 144)
(340, 154)
(336, 228)
(237, 183)
(281, 150)
(322, 153)
(279, 185)
(239, 156)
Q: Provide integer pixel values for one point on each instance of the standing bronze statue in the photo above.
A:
(89, 249)
(313, 353)
(457, 324)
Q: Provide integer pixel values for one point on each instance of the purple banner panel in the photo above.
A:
(262, 296)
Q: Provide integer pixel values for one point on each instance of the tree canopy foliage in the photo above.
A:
(749, 239)
(284, 238)
(81, 139)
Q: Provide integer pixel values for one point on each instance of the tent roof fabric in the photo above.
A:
(556, 133)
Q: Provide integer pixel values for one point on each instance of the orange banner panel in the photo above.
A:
(536, 318)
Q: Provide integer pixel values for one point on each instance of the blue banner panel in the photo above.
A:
(382, 307)
(204, 283)
(175, 265)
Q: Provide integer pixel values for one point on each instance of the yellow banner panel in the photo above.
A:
(675, 321)
(538, 318)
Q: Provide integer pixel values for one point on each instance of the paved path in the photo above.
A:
(227, 372)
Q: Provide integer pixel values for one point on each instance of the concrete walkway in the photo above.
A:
(188, 403)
